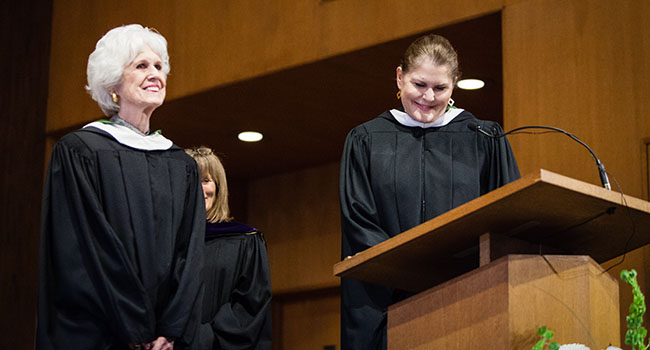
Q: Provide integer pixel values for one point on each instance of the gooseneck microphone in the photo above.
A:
(604, 179)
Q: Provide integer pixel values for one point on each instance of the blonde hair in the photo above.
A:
(209, 163)
(434, 47)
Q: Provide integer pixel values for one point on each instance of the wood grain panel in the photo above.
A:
(312, 107)
(212, 44)
(451, 315)
(580, 66)
(307, 320)
(540, 208)
(501, 305)
(299, 215)
(645, 153)
(25, 35)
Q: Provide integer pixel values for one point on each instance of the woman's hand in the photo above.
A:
(161, 344)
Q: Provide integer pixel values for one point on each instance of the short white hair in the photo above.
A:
(113, 52)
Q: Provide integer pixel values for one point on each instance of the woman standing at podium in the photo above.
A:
(408, 166)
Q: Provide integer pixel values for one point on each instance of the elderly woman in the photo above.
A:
(123, 216)
(407, 166)
(237, 302)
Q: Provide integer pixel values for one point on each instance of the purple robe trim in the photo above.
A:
(226, 229)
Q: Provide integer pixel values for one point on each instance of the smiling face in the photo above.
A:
(143, 84)
(209, 190)
(426, 89)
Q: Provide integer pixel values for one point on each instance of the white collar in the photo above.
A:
(445, 119)
(128, 137)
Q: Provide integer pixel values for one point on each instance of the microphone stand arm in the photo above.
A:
(604, 179)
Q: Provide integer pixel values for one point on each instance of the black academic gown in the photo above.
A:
(237, 303)
(121, 245)
(395, 177)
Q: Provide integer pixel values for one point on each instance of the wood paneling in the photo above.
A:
(501, 305)
(25, 34)
(298, 213)
(639, 260)
(312, 107)
(214, 43)
(307, 320)
(580, 66)
(575, 218)
(645, 153)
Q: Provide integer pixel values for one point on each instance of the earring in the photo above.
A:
(399, 94)
(115, 98)
(450, 104)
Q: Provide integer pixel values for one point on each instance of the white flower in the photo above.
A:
(573, 347)
(613, 348)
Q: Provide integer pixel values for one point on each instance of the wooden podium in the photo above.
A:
(477, 291)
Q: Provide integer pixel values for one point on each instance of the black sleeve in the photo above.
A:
(243, 320)
(359, 217)
(182, 315)
(502, 164)
(85, 271)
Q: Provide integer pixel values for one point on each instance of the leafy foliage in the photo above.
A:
(636, 333)
(547, 336)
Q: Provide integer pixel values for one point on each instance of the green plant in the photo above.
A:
(547, 336)
(636, 333)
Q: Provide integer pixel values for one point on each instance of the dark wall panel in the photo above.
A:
(25, 33)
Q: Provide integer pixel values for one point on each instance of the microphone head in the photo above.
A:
(473, 126)
(477, 128)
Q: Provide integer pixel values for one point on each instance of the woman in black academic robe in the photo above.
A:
(236, 310)
(123, 215)
(408, 166)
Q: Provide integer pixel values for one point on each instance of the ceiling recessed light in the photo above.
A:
(249, 136)
(470, 84)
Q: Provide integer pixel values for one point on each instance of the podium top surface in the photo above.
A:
(541, 208)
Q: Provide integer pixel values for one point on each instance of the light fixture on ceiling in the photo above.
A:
(249, 136)
(470, 84)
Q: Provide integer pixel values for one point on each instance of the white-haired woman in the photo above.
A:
(123, 214)
(236, 311)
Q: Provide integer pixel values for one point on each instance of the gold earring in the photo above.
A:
(114, 95)
(399, 94)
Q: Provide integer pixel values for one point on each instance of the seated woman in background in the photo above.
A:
(237, 302)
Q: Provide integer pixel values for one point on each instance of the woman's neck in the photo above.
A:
(137, 117)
